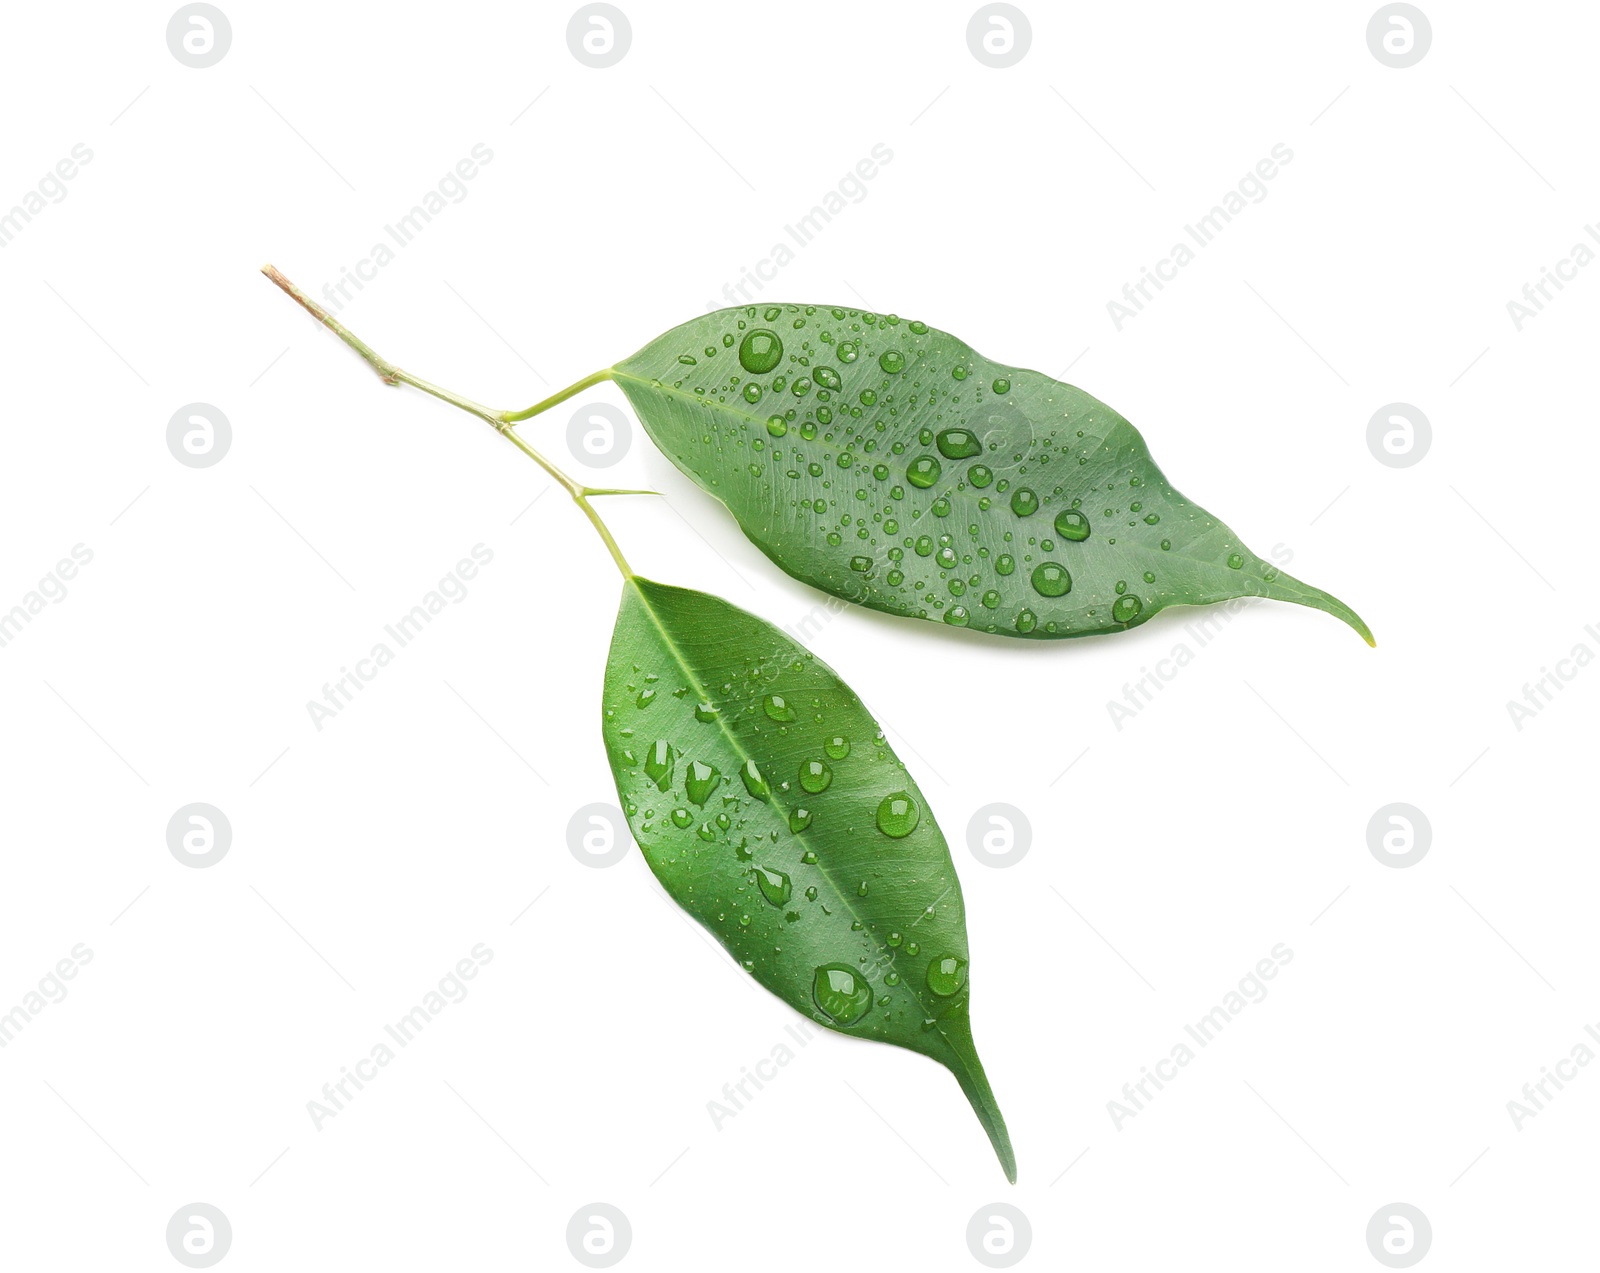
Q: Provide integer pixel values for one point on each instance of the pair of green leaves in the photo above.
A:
(888, 464)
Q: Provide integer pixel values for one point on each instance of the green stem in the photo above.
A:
(511, 417)
(501, 421)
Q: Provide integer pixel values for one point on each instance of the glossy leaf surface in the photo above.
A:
(767, 802)
(892, 465)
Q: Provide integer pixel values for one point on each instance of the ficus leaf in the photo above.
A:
(767, 802)
(892, 465)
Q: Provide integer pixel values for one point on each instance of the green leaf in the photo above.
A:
(768, 804)
(890, 464)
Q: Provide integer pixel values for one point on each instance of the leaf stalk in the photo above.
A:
(500, 421)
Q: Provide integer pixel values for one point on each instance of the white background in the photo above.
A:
(1228, 816)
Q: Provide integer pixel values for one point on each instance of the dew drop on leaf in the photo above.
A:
(774, 885)
(760, 351)
(898, 815)
(1072, 525)
(815, 776)
(945, 975)
(841, 993)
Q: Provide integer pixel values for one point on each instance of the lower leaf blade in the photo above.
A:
(768, 803)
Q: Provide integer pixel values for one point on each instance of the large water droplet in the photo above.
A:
(892, 361)
(754, 783)
(658, 762)
(1051, 580)
(774, 885)
(778, 709)
(841, 993)
(700, 780)
(799, 820)
(1126, 609)
(815, 776)
(946, 974)
(923, 472)
(1072, 525)
(828, 378)
(1024, 503)
(760, 351)
(898, 815)
(959, 444)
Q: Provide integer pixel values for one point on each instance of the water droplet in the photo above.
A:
(700, 780)
(1126, 609)
(658, 764)
(828, 378)
(848, 351)
(808, 858)
(959, 444)
(681, 818)
(892, 361)
(841, 993)
(913, 949)
(1004, 564)
(705, 713)
(646, 697)
(1024, 503)
(754, 783)
(980, 475)
(1002, 385)
(946, 974)
(815, 776)
(1235, 561)
(777, 426)
(752, 393)
(1027, 621)
(957, 616)
(760, 351)
(1051, 580)
(898, 815)
(924, 472)
(919, 327)
(990, 599)
(837, 747)
(774, 885)
(861, 564)
(1072, 525)
(778, 709)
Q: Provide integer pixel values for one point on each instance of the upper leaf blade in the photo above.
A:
(767, 802)
(894, 466)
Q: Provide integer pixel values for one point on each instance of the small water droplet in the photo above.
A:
(799, 820)
(1001, 385)
(892, 361)
(754, 783)
(752, 393)
(1126, 609)
(828, 378)
(1235, 561)
(681, 818)
(837, 747)
(778, 709)
(700, 780)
